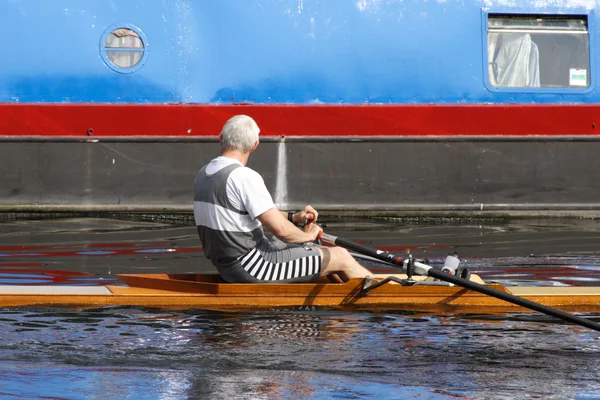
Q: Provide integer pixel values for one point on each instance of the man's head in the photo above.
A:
(239, 133)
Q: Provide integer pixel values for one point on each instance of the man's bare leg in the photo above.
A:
(338, 261)
(335, 278)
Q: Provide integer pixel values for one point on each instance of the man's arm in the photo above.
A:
(277, 223)
(302, 216)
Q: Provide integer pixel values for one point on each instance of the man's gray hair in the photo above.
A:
(239, 133)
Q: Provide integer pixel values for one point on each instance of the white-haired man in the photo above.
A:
(232, 204)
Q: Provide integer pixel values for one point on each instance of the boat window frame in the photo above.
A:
(145, 49)
(574, 12)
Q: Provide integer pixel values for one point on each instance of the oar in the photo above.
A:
(424, 269)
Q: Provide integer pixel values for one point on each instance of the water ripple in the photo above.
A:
(366, 353)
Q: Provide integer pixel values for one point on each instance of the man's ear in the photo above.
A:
(254, 147)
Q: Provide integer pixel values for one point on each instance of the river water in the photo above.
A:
(143, 353)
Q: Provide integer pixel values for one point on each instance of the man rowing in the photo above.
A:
(231, 206)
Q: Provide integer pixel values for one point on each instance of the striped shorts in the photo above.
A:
(291, 264)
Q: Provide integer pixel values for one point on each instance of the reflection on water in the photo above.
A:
(122, 352)
(44, 277)
(581, 270)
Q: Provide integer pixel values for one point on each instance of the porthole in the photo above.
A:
(124, 48)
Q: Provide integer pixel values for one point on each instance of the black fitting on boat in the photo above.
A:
(410, 271)
(370, 284)
(465, 274)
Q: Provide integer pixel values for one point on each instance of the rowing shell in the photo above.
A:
(207, 291)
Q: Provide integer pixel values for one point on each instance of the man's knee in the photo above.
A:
(343, 253)
(339, 255)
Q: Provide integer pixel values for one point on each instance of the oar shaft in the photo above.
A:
(424, 269)
(369, 251)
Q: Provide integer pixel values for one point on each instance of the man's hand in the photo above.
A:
(307, 214)
(277, 223)
(313, 230)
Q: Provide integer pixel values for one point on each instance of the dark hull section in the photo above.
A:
(374, 176)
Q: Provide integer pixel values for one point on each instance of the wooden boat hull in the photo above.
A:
(208, 292)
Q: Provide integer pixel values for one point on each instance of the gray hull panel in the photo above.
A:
(374, 176)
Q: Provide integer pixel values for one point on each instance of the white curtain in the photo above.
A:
(514, 60)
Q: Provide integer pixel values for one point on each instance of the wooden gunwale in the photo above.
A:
(208, 292)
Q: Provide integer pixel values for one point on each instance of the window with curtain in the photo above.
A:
(538, 51)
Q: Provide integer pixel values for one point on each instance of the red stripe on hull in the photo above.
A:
(83, 120)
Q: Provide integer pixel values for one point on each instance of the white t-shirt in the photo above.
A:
(246, 189)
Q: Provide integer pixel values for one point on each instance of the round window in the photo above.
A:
(124, 48)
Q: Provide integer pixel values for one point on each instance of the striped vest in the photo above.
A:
(225, 232)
